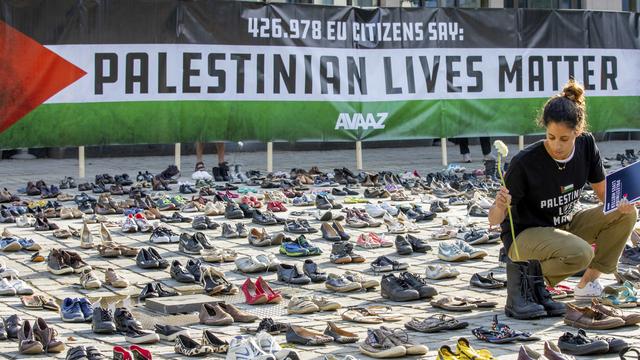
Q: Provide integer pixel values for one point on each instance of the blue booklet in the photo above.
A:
(621, 183)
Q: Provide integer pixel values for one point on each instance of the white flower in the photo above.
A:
(240, 144)
(502, 148)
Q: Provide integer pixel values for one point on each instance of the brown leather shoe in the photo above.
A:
(237, 314)
(590, 318)
(47, 337)
(629, 318)
(212, 314)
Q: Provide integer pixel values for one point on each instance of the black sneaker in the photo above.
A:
(263, 218)
(102, 321)
(310, 269)
(203, 240)
(180, 274)
(145, 260)
(396, 289)
(124, 320)
(193, 267)
(419, 284)
(403, 246)
(580, 344)
(189, 245)
(170, 332)
(233, 211)
(162, 292)
(228, 232)
(148, 291)
(199, 222)
(135, 335)
(162, 263)
(338, 192)
(418, 245)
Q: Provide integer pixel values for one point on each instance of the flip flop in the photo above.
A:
(481, 303)
(361, 315)
(435, 323)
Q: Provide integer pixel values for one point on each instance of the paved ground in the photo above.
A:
(14, 174)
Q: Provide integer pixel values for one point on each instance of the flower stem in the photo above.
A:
(513, 232)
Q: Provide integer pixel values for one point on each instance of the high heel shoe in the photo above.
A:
(140, 353)
(272, 296)
(252, 295)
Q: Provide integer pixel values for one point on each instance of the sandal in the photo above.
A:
(453, 304)
(633, 349)
(481, 303)
(361, 315)
(502, 333)
(384, 312)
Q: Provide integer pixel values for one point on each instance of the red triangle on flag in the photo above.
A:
(29, 75)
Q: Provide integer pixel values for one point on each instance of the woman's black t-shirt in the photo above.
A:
(541, 193)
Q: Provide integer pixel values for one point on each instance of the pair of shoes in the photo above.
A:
(405, 287)
(261, 347)
(134, 352)
(221, 314)
(76, 310)
(155, 290)
(459, 251)
(527, 296)
(14, 287)
(501, 333)
(214, 282)
(187, 346)
(149, 258)
(309, 305)
(581, 344)
(487, 282)
(372, 241)
(255, 264)
(61, 262)
(11, 244)
(435, 323)
(299, 226)
(388, 343)
(386, 264)
(89, 280)
(229, 233)
(39, 338)
(102, 321)
(291, 275)
(260, 237)
(303, 336)
(298, 247)
(463, 351)
(163, 235)
(333, 231)
(341, 283)
(132, 329)
(407, 245)
(84, 353)
(260, 292)
(342, 253)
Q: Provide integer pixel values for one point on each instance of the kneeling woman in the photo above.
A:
(543, 185)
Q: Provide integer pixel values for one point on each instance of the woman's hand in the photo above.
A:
(503, 198)
(625, 207)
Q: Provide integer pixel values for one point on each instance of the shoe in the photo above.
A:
(245, 348)
(189, 245)
(89, 281)
(451, 252)
(125, 320)
(112, 278)
(252, 295)
(250, 265)
(180, 274)
(70, 310)
(340, 230)
(102, 321)
(418, 244)
(193, 267)
(310, 269)
(325, 304)
(591, 318)
(378, 345)
(212, 314)
(580, 344)
(293, 248)
(86, 239)
(419, 284)
(237, 314)
(291, 275)
(400, 337)
(185, 345)
(170, 332)
(145, 260)
(299, 335)
(520, 302)
(6, 289)
(47, 337)
(485, 282)
(301, 305)
(552, 352)
(12, 326)
(628, 318)
(470, 250)
(364, 282)
(540, 294)
(329, 233)
(467, 352)
(74, 260)
(403, 246)
(217, 346)
(27, 343)
(395, 289)
(385, 264)
(120, 353)
(340, 253)
(148, 291)
(263, 287)
(136, 335)
(340, 283)
(593, 289)
(56, 264)
(340, 335)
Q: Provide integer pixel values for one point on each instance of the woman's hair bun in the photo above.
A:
(574, 92)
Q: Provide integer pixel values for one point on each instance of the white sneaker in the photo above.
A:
(392, 210)
(593, 289)
(375, 210)
(21, 287)
(6, 288)
(245, 348)
(201, 175)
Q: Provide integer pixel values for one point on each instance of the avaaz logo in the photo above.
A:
(364, 121)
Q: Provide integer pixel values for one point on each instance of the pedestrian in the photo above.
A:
(543, 184)
(485, 144)
(200, 170)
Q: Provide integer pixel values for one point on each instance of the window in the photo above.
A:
(570, 4)
(630, 5)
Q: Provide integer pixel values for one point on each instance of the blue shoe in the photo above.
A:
(306, 244)
(86, 308)
(70, 310)
(10, 244)
(291, 248)
(29, 244)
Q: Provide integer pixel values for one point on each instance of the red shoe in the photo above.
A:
(567, 289)
(120, 353)
(252, 294)
(281, 206)
(231, 195)
(140, 353)
(273, 206)
(272, 295)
